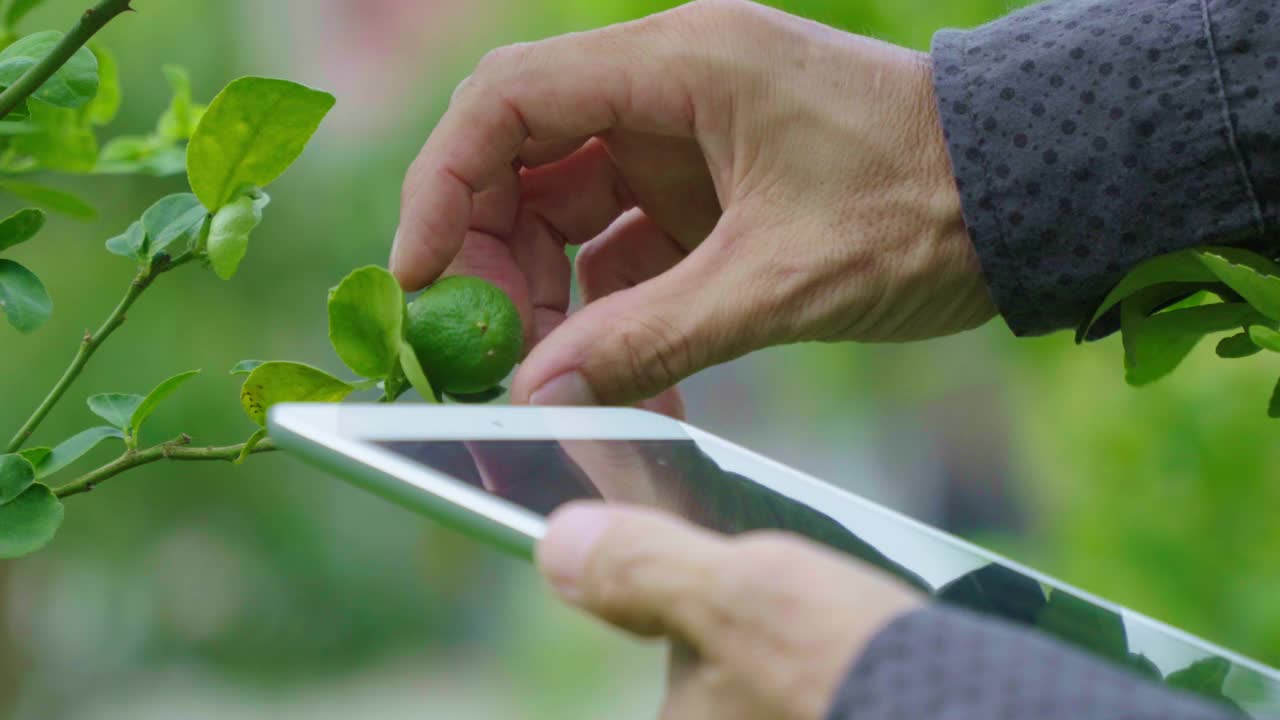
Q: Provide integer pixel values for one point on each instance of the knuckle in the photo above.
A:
(590, 257)
(503, 60)
(656, 355)
(586, 266)
(773, 553)
(467, 83)
(756, 562)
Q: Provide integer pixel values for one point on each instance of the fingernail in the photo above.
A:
(567, 389)
(395, 252)
(570, 538)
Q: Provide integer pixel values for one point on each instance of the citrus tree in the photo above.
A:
(57, 89)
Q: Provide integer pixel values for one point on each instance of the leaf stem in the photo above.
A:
(91, 342)
(178, 449)
(90, 22)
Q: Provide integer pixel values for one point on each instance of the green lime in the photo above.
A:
(466, 333)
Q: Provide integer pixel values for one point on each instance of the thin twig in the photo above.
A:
(178, 449)
(90, 344)
(86, 27)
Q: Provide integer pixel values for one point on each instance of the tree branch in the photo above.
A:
(178, 449)
(91, 342)
(89, 24)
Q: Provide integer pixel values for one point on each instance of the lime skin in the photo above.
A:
(466, 333)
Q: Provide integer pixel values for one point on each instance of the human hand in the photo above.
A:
(764, 625)
(738, 178)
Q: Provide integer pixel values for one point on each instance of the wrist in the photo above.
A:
(953, 259)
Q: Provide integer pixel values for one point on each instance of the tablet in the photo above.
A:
(496, 472)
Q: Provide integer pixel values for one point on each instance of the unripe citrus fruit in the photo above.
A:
(466, 333)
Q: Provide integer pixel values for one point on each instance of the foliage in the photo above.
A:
(244, 140)
(1161, 320)
(996, 590)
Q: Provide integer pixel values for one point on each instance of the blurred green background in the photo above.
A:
(268, 591)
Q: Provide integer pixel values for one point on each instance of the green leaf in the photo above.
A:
(1178, 267)
(16, 475)
(65, 141)
(479, 398)
(132, 243)
(413, 373)
(9, 128)
(1143, 665)
(229, 233)
(23, 297)
(20, 227)
(254, 130)
(35, 455)
(1273, 407)
(175, 217)
(277, 382)
(154, 398)
(1204, 677)
(258, 436)
(1085, 625)
(130, 154)
(1256, 278)
(104, 106)
(17, 10)
(179, 119)
(244, 367)
(1236, 346)
(366, 321)
(996, 590)
(72, 85)
(56, 200)
(1155, 345)
(74, 448)
(116, 408)
(29, 522)
(1264, 337)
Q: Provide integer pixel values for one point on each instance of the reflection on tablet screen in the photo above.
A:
(722, 488)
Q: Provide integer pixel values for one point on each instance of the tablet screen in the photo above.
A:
(718, 486)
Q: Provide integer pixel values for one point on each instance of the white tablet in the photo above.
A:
(496, 472)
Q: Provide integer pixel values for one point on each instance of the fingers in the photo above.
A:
(484, 252)
(567, 87)
(536, 153)
(729, 598)
(638, 569)
(567, 202)
(771, 620)
(630, 251)
(637, 342)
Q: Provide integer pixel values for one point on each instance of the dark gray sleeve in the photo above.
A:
(1089, 135)
(949, 664)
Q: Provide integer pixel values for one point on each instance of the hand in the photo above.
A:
(764, 625)
(738, 178)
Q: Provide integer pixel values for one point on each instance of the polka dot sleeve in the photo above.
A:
(1089, 135)
(948, 664)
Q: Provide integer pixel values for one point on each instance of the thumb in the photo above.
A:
(635, 568)
(635, 343)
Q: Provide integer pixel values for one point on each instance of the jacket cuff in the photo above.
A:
(944, 663)
(1086, 137)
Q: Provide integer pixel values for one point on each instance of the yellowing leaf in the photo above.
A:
(277, 382)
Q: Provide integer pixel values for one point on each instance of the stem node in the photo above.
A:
(88, 347)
